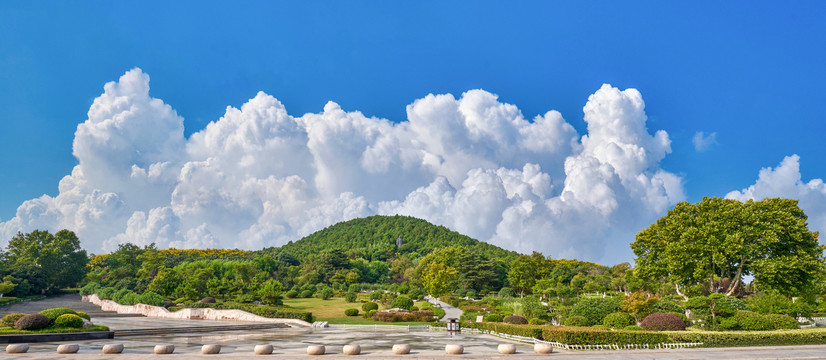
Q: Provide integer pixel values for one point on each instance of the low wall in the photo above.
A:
(189, 313)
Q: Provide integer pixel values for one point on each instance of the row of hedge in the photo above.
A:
(260, 310)
(593, 336)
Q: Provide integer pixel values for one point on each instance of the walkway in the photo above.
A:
(71, 301)
(450, 311)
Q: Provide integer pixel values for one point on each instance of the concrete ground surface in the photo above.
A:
(450, 311)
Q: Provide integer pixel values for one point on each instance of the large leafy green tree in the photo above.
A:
(48, 261)
(719, 241)
(438, 278)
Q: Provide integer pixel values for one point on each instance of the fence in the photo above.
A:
(557, 345)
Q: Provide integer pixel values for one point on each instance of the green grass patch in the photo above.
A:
(332, 310)
(51, 330)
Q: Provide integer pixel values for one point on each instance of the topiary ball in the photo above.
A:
(54, 313)
(576, 320)
(515, 319)
(618, 320)
(662, 322)
(34, 321)
(781, 321)
(10, 319)
(84, 315)
(69, 321)
(351, 312)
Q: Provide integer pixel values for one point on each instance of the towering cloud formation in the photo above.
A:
(785, 181)
(260, 177)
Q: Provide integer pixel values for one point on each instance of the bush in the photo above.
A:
(667, 306)
(780, 321)
(752, 321)
(515, 319)
(402, 302)
(600, 327)
(416, 294)
(54, 313)
(207, 300)
(10, 319)
(369, 306)
(618, 320)
(576, 320)
(506, 292)
(69, 321)
(307, 294)
(596, 336)
(682, 317)
(536, 321)
(291, 294)
(326, 293)
(661, 322)
(275, 312)
(376, 295)
(34, 321)
(748, 338)
(633, 328)
(595, 309)
(151, 298)
(84, 315)
(167, 304)
(350, 297)
(351, 312)
(493, 317)
(90, 288)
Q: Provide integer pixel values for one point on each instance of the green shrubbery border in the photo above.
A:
(260, 310)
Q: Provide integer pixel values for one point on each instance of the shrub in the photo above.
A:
(306, 294)
(34, 321)
(151, 298)
(633, 328)
(493, 317)
(416, 294)
(89, 288)
(167, 304)
(596, 336)
(536, 321)
(291, 294)
(207, 300)
(69, 321)
(515, 319)
(506, 292)
(752, 321)
(780, 321)
(595, 309)
(667, 306)
(326, 293)
(661, 322)
(618, 320)
(369, 306)
(376, 295)
(402, 302)
(10, 319)
(54, 313)
(350, 297)
(385, 316)
(576, 320)
(600, 327)
(682, 317)
(351, 312)
(84, 315)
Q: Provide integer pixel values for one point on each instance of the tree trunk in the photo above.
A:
(680, 293)
(736, 280)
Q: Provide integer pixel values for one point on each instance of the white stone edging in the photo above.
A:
(188, 313)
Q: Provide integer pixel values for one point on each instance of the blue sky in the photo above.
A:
(751, 72)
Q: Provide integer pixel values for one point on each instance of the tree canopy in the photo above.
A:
(717, 242)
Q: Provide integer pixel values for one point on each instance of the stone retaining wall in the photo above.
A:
(189, 313)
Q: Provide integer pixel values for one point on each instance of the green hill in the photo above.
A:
(375, 238)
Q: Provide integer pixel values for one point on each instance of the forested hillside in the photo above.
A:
(374, 238)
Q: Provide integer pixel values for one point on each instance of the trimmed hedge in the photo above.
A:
(811, 336)
(10, 319)
(752, 321)
(34, 321)
(784, 322)
(590, 336)
(69, 321)
(54, 313)
(424, 316)
(576, 320)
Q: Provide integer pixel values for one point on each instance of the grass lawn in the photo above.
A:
(332, 310)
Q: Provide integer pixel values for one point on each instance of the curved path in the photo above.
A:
(450, 311)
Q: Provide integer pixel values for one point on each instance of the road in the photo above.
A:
(450, 311)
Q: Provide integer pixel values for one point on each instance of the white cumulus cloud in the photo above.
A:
(703, 142)
(259, 176)
(785, 181)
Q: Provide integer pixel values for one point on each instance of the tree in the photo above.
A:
(722, 239)
(270, 292)
(437, 278)
(523, 273)
(57, 260)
